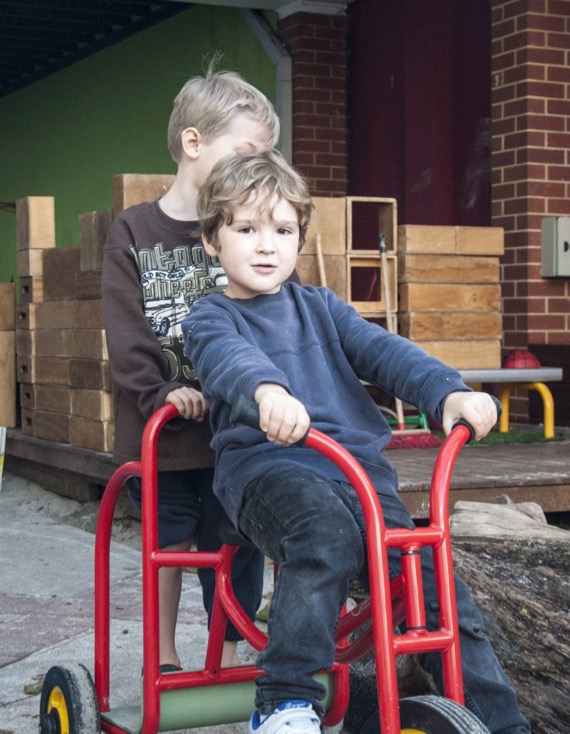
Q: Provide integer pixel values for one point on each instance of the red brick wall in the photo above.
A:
(530, 82)
(531, 160)
(317, 45)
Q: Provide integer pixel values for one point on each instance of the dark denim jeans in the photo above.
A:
(314, 530)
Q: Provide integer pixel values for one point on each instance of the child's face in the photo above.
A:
(258, 250)
(245, 136)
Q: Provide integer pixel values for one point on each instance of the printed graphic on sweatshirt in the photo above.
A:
(172, 280)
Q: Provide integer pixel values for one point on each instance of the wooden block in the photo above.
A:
(53, 398)
(86, 344)
(93, 231)
(8, 379)
(26, 316)
(25, 369)
(480, 240)
(365, 284)
(69, 315)
(30, 262)
(53, 427)
(367, 218)
(88, 285)
(465, 355)
(26, 421)
(442, 297)
(448, 326)
(25, 342)
(335, 272)
(61, 265)
(35, 222)
(50, 342)
(27, 396)
(134, 188)
(413, 268)
(31, 289)
(426, 239)
(43, 370)
(329, 221)
(93, 404)
(90, 374)
(90, 434)
(7, 306)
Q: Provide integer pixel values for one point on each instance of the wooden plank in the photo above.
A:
(7, 379)
(7, 306)
(419, 268)
(420, 238)
(88, 285)
(53, 427)
(50, 342)
(90, 374)
(86, 344)
(329, 221)
(25, 342)
(443, 297)
(69, 315)
(93, 404)
(25, 369)
(134, 188)
(335, 269)
(52, 398)
(465, 355)
(44, 370)
(90, 434)
(31, 289)
(27, 396)
(93, 232)
(61, 265)
(35, 222)
(30, 262)
(425, 326)
(480, 241)
(26, 316)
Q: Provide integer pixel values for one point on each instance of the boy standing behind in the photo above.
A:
(301, 352)
(154, 268)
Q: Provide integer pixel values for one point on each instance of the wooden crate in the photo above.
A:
(93, 232)
(367, 218)
(329, 223)
(420, 268)
(439, 240)
(7, 379)
(365, 284)
(61, 265)
(453, 326)
(463, 355)
(134, 188)
(31, 289)
(35, 222)
(442, 297)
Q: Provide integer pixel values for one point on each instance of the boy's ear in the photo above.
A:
(209, 247)
(191, 142)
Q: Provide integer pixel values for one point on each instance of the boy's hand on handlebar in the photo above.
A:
(190, 403)
(282, 417)
(477, 408)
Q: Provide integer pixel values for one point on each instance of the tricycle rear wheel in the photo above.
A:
(431, 715)
(68, 704)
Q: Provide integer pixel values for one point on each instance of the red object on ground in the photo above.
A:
(521, 359)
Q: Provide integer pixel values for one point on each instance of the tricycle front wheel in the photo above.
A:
(68, 704)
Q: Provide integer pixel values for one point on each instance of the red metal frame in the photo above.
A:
(391, 602)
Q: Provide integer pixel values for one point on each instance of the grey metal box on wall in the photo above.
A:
(555, 257)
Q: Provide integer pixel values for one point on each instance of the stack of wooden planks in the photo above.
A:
(7, 355)
(450, 293)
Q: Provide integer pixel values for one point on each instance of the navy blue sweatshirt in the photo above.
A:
(319, 349)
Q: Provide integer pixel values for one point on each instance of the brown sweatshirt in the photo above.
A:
(154, 268)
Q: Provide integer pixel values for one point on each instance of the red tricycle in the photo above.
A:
(71, 704)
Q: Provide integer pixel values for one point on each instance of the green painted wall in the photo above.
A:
(69, 134)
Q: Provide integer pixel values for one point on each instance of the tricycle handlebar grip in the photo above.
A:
(246, 411)
(462, 422)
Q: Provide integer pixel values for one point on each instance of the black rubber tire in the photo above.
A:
(68, 703)
(431, 715)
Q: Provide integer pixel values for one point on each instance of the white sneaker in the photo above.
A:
(290, 716)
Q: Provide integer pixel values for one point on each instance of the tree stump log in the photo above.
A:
(517, 568)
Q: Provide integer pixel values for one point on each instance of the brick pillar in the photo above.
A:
(317, 45)
(531, 160)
